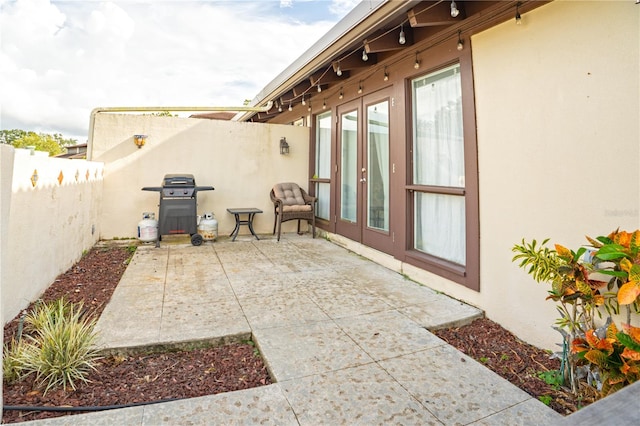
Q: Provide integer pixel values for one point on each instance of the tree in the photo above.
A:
(9, 136)
(62, 141)
(53, 144)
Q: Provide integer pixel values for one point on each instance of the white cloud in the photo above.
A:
(342, 7)
(59, 60)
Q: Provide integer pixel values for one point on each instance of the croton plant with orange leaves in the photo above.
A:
(616, 355)
(622, 249)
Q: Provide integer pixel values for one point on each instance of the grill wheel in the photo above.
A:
(196, 239)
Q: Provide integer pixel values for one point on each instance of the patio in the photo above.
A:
(345, 339)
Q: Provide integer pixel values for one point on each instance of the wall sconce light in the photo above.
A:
(284, 146)
(139, 140)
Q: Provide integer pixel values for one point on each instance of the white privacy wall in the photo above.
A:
(6, 175)
(53, 218)
(241, 161)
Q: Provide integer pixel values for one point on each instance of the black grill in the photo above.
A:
(178, 201)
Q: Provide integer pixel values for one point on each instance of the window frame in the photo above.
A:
(468, 274)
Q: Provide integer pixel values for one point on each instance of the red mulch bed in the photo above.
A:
(136, 378)
(518, 362)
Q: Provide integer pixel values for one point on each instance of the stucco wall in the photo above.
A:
(241, 161)
(6, 176)
(557, 106)
(51, 224)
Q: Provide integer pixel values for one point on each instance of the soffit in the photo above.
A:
(374, 26)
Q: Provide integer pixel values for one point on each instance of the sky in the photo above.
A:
(61, 59)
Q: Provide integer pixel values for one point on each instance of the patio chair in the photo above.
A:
(290, 202)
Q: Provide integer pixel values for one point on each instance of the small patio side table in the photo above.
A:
(250, 212)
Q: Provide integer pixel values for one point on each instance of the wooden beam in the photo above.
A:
(354, 61)
(431, 13)
(337, 65)
(301, 88)
(385, 41)
(315, 84)
(286, 96)
(328, 77)
(473, 7)
(267, 115)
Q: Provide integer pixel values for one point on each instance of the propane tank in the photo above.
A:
(148, 228)
(208, 227)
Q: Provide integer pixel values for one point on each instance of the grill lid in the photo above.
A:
(178, 181)
(178, 185)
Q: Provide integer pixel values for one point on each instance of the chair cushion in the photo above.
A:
(289, 193)
(297, 208)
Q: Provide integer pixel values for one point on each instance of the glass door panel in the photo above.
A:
(323, 194)
(378, 166)
(349, 166)
(322, 174)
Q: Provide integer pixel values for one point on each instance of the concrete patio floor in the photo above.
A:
(345, 340)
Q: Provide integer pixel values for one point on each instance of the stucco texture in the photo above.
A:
(242, 161)
(53, 219)
(557, 105)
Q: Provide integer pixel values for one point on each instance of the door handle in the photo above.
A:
(363, 180)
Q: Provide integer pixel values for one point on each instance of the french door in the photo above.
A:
(363, 171)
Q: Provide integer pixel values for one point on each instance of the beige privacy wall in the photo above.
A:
(53, 218)
(557, 106)
(241, 161)
(6, 175)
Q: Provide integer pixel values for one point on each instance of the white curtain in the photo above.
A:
(323, 194)
(323, 163)
(438, 160)
(349, 163)
(323, 146)
(378, 166)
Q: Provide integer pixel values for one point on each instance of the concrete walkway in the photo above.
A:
(346, 340)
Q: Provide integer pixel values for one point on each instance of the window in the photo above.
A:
(323, 164)
(439, 193)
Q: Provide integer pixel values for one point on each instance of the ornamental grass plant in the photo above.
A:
(58, 348)
(12, 365)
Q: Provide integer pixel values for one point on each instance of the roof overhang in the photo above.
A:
(373, 26)
(345, 35)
